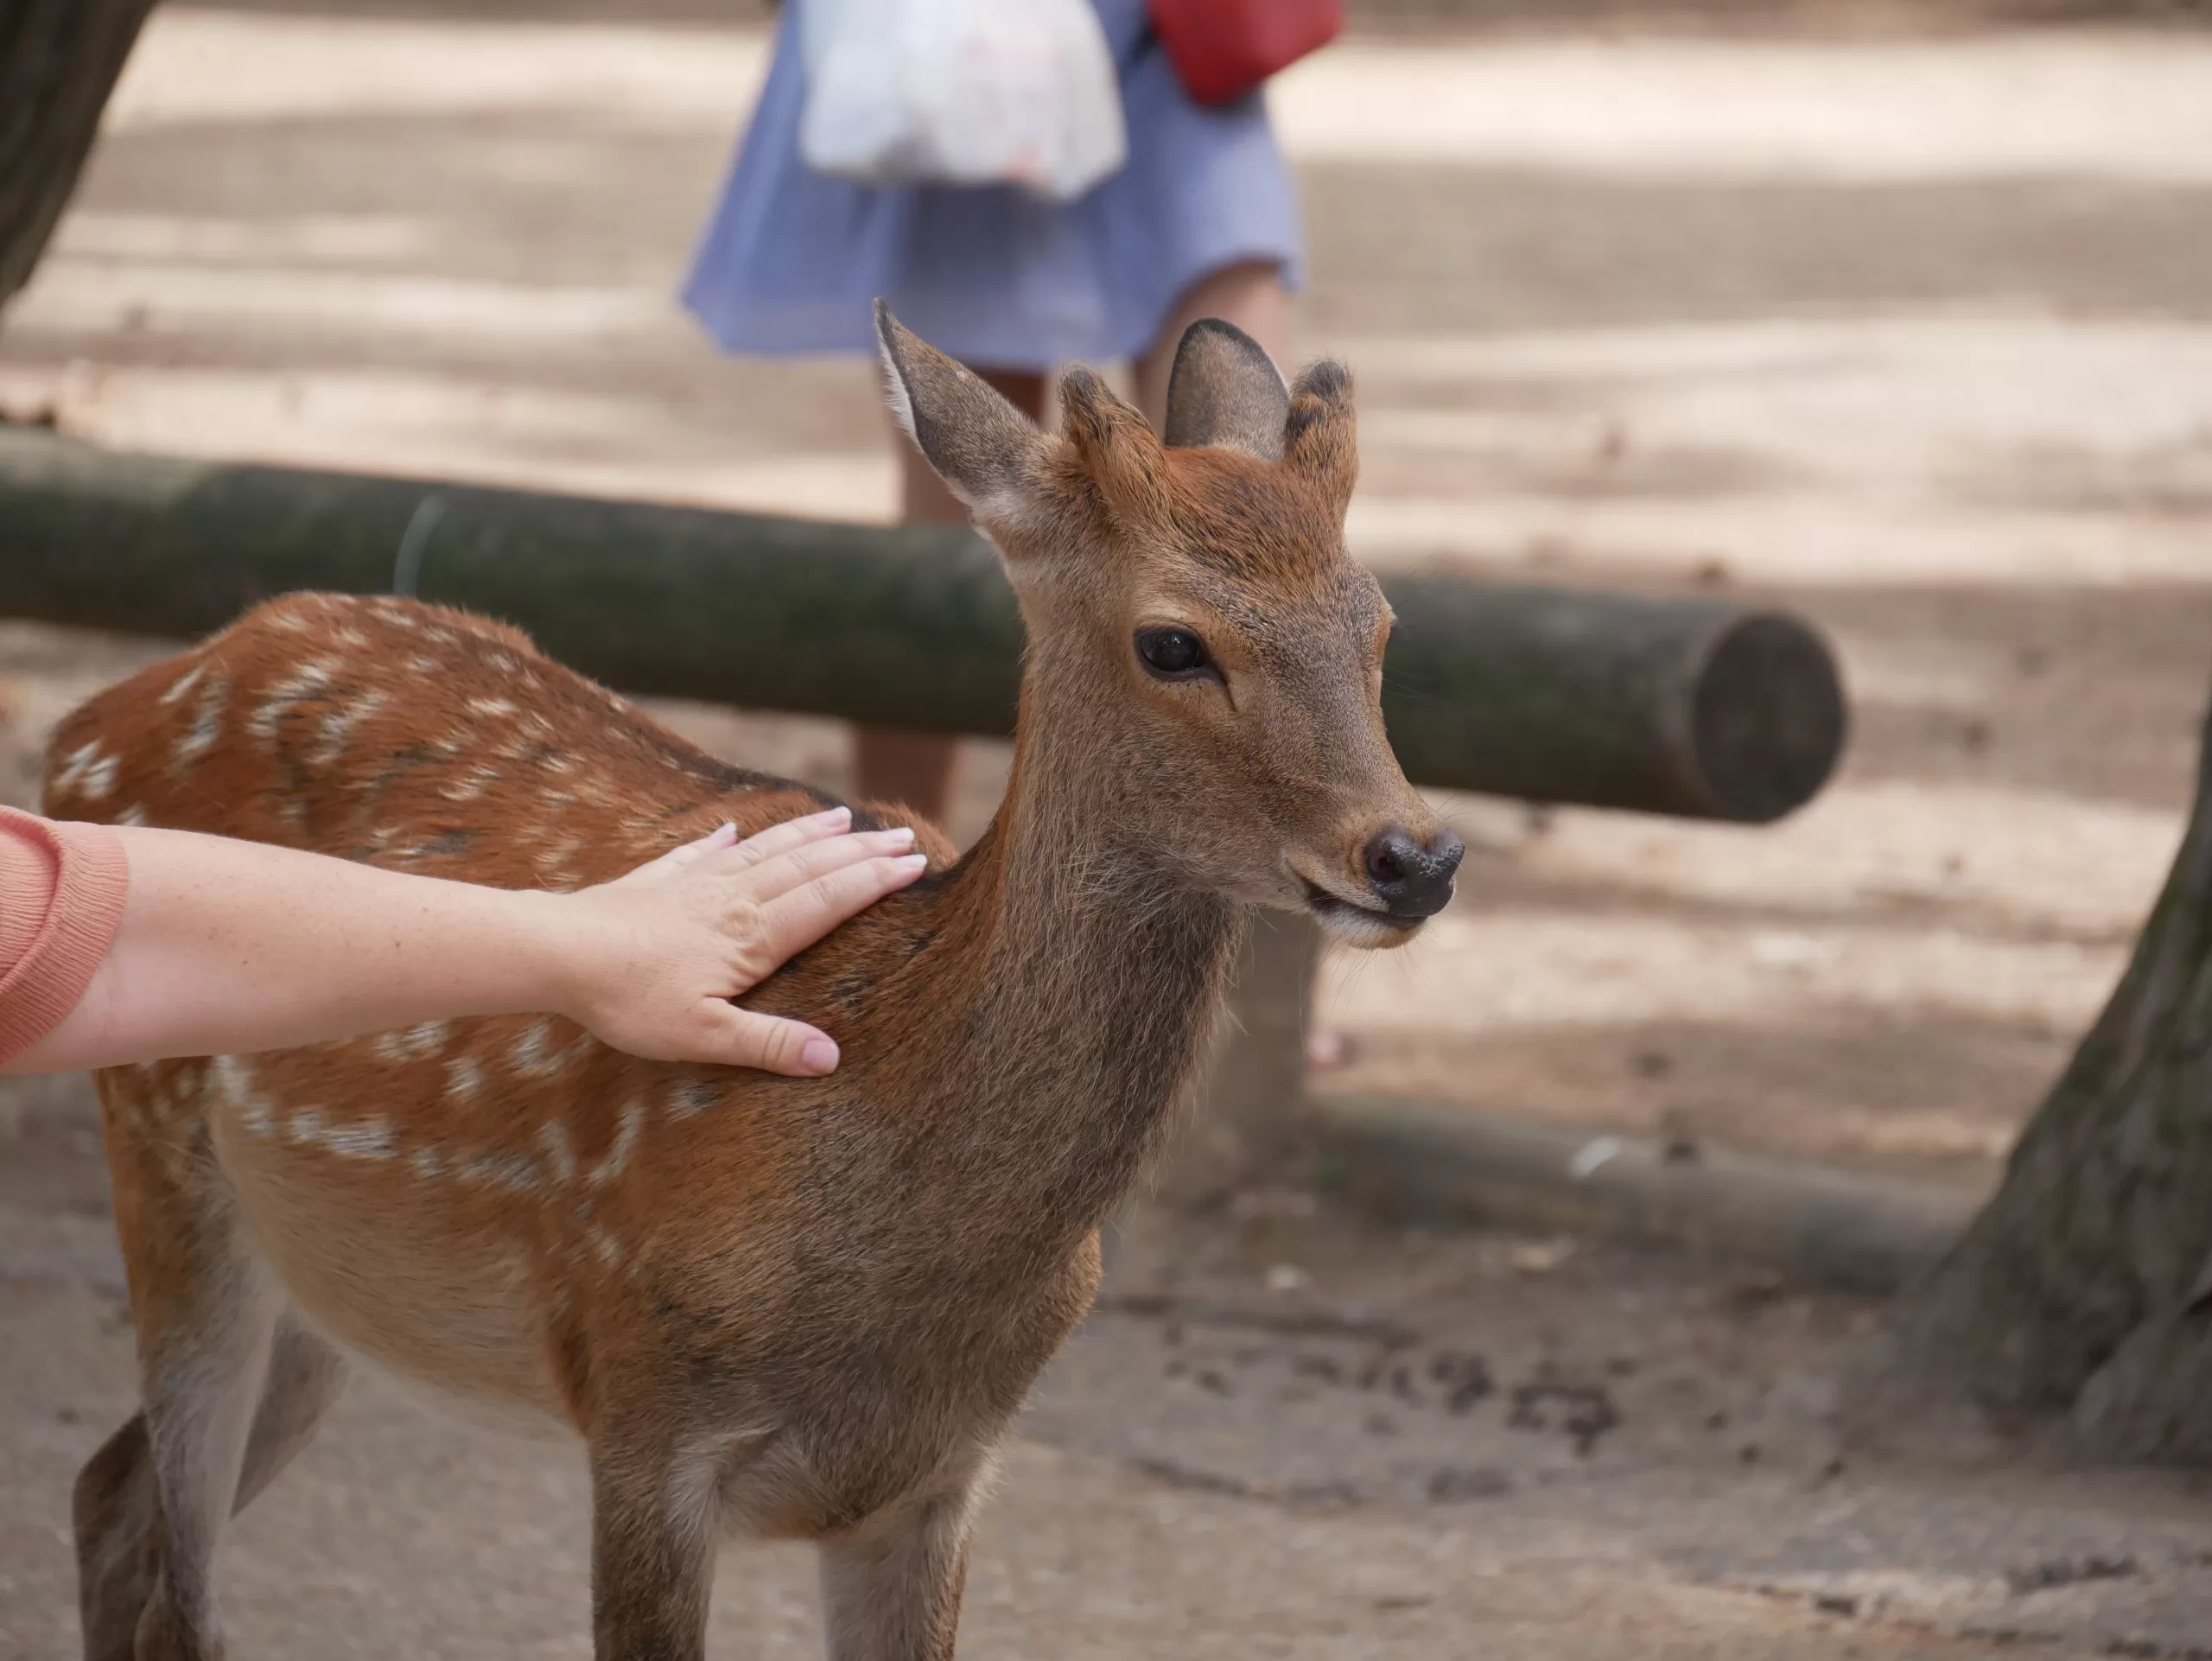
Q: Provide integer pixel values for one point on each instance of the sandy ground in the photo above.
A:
(1911, 335)
(1427, 1446)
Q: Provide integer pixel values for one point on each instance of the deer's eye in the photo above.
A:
(1174, 654)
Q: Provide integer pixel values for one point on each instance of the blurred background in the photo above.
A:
(1905, 327)
(1898, 315)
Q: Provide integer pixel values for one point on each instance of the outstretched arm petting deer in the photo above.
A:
(787, 1306)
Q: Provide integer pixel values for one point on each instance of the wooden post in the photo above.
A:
(1689, 707)
(1247, 1115)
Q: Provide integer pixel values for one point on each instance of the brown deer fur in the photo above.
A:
(795, 1307)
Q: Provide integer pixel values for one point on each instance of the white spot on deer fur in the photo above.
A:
(534, 1054)
(207, 726)
(289, 621)
(560, 1154)
(134, 814)
(415, 1043)
(88, 770)
(424, 665)
(338, 722)
(370, 1139)
(618, 1156)
(471, 785)
(349, 636)
(426, 1163)
(509, 1171)
(605, 1246)
(691, 1096)
(558, 852)
(492, 706)
(183, 684)
(306, 1125)
(464, 1077)
(300, 684)
(232, 1077)
(504, 662)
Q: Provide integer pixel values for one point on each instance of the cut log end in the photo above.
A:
(1767, 719)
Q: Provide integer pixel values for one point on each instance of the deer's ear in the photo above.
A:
(1225, 390)
(1321, 439)
(1118, 449)
(986, 451)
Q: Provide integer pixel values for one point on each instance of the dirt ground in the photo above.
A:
(1908, 333)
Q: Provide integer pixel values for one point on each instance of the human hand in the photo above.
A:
(658, 955)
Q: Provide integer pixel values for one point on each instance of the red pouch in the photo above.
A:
(1223, 48)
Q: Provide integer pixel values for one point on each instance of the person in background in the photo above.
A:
(128, 944)
(1201, 221)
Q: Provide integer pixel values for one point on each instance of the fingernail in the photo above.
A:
(819, 1055)
(835, 813)
(729, 827)
(911, 862)
(901, 833)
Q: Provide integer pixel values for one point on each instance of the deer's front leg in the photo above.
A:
(654, 1532)
(891, 1589)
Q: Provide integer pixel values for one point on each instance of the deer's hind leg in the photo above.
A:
(116, 1510)
(151, 1505)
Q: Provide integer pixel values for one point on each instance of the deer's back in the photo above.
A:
(484, 1203)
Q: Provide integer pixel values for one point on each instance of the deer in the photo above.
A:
(768, 1306)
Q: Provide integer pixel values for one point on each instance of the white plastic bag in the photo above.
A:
(960, 92)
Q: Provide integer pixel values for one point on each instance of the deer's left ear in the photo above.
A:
(988, 453)
(1320, 437)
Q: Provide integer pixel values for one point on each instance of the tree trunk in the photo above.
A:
(59, 62)
(2084, 1288)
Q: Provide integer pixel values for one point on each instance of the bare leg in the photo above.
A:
(1251, 295)
(916, 768)
(891, 1589)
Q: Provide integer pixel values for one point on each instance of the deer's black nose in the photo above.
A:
(1411, 879)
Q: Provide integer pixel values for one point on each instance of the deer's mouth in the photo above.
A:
(1356, 923)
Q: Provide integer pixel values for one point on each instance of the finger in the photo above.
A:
(722, 836)
(741, 1038)
(779, 876)
(796, 920)
(793, 833)
(680, 858)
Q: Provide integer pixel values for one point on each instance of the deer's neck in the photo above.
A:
(1090, 985)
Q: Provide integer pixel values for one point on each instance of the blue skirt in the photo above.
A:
(793, 260)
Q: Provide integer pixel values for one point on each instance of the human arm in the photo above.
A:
(230, 946)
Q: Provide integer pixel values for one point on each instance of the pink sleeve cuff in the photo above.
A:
(62, 885)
